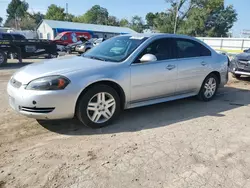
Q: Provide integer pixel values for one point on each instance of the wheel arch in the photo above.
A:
(110, 83)
(217, 74)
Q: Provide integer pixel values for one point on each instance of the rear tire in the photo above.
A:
(237, 76)
(209, 88)
(98, 106)
(3, 58)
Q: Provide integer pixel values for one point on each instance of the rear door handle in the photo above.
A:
(170, 67)
(203, 63)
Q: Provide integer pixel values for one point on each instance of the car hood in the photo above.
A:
(243, 56)
(60, 66)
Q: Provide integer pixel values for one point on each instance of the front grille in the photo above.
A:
(243, 64)
(36, 110)
(244, 60)
(15, 83)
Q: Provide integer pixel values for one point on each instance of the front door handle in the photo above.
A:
(170, 67)
(203, 63)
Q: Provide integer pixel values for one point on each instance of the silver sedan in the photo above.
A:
(121, 73)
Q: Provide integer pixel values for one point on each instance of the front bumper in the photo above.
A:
(42, 105)
(235, 70)
(240, 68)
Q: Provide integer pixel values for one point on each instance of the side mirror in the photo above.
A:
(148, 58)
(245, 51)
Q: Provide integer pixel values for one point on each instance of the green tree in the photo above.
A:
(10, 23)
(220, 22)
(96, 15)
(195, 17)
(38, 17)
(124, 23)
(80, 19)
(16, 11)
(150, 19)
(55, 12)
(69, 17)
(163, 22)
(17, 8)
(209, 18)
(137, 24)
(1, 21)
(113, 21)
(28, 23)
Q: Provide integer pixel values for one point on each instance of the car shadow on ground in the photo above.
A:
(13, 66)
(159, 115)
(244, 78)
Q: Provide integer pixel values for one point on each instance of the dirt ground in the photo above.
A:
(180, 144)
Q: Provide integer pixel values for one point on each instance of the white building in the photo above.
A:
(48, 29)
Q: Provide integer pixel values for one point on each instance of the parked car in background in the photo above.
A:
(247, 50)
(240, 64)
(70, 37)
(98, 41)
(121, 73)
(84, 47)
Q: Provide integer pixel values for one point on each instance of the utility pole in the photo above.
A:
(67, 11)
(176, 16)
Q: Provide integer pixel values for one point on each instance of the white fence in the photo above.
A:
(227, 43)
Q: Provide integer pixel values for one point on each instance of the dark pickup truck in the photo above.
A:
(240, 65)
(25, 48)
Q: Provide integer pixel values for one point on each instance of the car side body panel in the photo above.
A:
(142, 84)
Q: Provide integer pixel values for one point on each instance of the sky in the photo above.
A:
(128, 8)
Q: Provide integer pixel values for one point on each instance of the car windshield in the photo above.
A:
(115, 49)
(58, 36)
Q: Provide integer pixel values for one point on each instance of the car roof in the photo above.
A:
(149, 35)
(152, 35)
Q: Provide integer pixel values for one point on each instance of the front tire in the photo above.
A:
(98, 107)
(209, 88)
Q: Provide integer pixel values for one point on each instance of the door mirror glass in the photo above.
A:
(148, 58)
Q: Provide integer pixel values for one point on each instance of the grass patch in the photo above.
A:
(229, 50)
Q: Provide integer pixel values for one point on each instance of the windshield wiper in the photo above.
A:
(97, 58)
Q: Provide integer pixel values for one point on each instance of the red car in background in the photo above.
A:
(70, 37)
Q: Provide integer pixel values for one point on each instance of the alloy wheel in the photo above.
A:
(210, 88)
(101, 107)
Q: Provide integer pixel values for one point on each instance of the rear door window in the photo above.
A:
(186, 48)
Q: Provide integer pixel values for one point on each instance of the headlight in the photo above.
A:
(48, 83)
